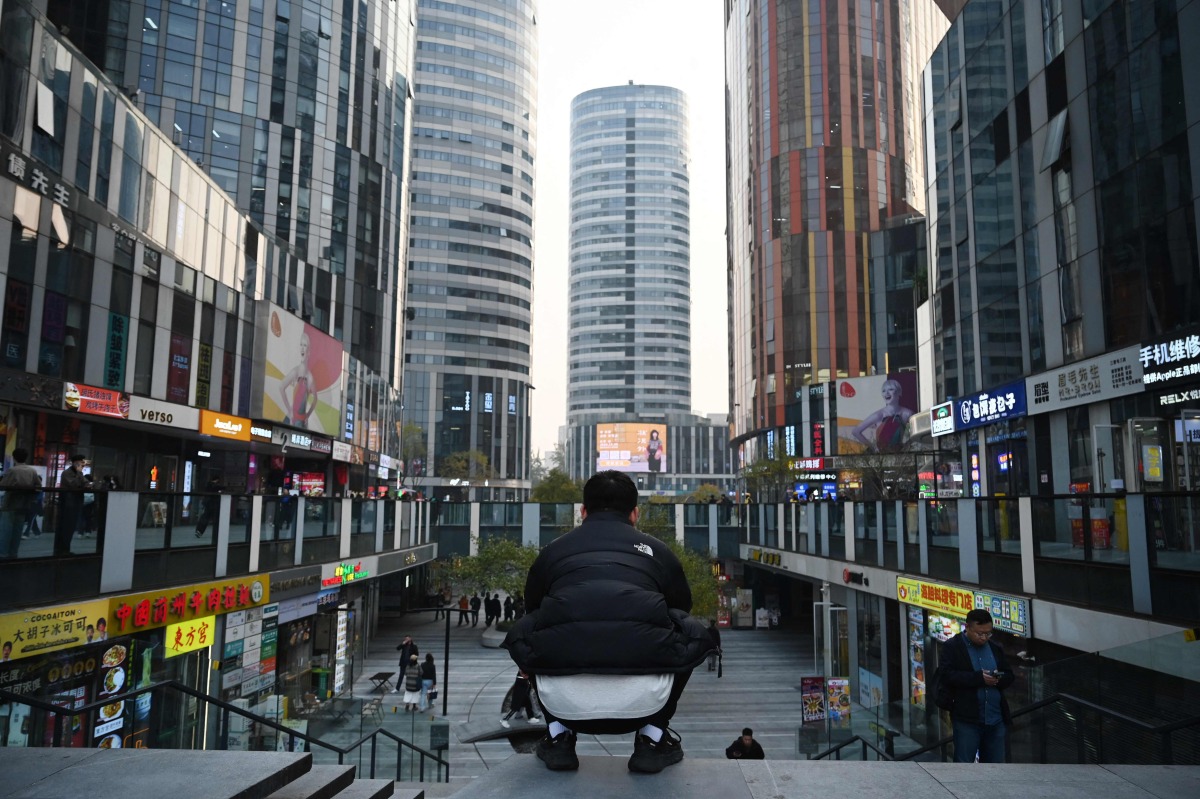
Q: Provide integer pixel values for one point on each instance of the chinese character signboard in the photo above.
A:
(38, 632)
(223, 425)
(114, 357)
(174, 605)
(987, 407)
(95, 401)
(188, 636)
(1105, 377)
(1171, 360)
(1009, 613)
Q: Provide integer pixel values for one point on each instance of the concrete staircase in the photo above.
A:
(175, 774)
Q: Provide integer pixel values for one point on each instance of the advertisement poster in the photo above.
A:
(944, 628)
(916, 657)
(870, 688)
(812, 698)
(874, 412)
(303, 382)
(745, 607)
(179, 370)
(341, 649)
(631, 447)
(837, 706)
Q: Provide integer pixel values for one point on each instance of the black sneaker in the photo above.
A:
(558, 753)
(650, 757)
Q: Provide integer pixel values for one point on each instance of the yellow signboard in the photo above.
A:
(37, 632)
(935, 596)
(165, 606)
(188, 636)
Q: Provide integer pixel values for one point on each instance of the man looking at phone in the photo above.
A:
(976, 669)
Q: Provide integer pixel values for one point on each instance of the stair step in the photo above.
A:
(368, 789)
(321, 782)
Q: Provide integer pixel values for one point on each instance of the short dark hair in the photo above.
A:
(979, 616)
(20, 455)
(610, 490)
(748, 731)
(78, 456)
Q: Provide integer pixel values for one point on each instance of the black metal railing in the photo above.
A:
(62, 716)
(1089, 743)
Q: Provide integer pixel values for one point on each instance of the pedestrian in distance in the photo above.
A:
(70, 504)
(975, 671)
(428, 680)
(714, 657)
(464, 609)
(608, 639)
(408, 650)
(745, 747)
(475, 603)
(522, 700)
(209, 505)
(412, 684)
(508, 608)
(22, 485)
(494, 609)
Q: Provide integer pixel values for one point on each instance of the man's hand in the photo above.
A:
(990, 679)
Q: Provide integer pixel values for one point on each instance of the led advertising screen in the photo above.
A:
(631, 447)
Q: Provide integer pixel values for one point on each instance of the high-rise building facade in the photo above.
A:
(470, 256)
(823, 105)
(629, 343)
(299, 111)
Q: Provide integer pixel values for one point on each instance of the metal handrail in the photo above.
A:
(292, 734)
(866, 745)
(1160, 729)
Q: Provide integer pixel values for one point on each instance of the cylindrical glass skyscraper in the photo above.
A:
(629, 347)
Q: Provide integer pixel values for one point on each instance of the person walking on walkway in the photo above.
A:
(508, 608)
(977, 671)
(428, 680)
(522, 699)
(745, 748)
(475, 603)
(412, 684)
(493, 609)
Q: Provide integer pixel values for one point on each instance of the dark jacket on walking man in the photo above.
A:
(407, 649)
(976, 670)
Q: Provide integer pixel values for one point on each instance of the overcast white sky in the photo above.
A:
(584, 46)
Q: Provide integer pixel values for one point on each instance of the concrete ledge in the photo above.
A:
(492, 637)
(524, 777)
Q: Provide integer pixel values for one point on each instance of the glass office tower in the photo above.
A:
(629, 349)
(470, 258)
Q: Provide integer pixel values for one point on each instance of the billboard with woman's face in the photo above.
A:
(631, 447)
(302, 386)
(873, 412)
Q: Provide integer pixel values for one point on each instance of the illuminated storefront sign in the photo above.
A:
(807, 464)
(1009, 613)
(766, 558)
(163, 414)
(941, 419)
(986, 407)
(222, 425)
(261, 432)
(1171, 360)
(344, 573)
(188, 636)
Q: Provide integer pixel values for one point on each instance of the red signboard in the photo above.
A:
(95, 401)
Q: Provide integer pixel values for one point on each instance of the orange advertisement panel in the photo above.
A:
(631, 447)
(947, 599)
(95, 401)
(44, 630)
(224, 425)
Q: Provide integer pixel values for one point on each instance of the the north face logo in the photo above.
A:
(644, 549)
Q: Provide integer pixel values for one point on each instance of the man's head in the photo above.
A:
(747, 736)
(101, 625)
(20, 455)
(89, 633)
(6, 650)
(979, 626)
(610, 491)
(77, 460)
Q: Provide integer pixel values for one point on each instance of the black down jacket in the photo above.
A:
(607, 599)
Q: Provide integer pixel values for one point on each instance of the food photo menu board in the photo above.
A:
(109, 721)
(916, 656)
